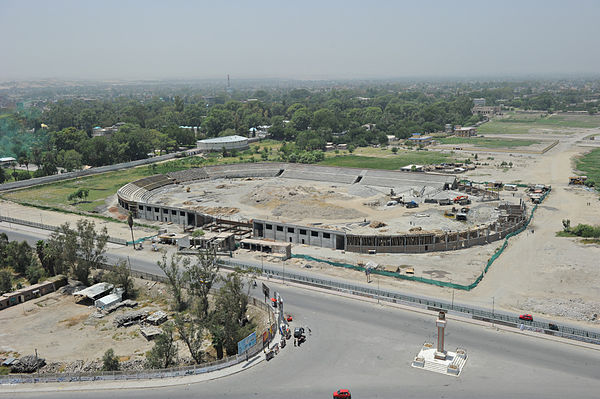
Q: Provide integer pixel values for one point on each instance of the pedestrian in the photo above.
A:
(295, 342)
(309, 330)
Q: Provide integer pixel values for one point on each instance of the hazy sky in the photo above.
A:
(103, 39)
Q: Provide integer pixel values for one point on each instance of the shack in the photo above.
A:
(223, 241)
(108, 300)
(275, 247)
(94, 292)
(180, 240)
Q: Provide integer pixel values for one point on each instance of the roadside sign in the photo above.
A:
(266, 290)
(247, 343)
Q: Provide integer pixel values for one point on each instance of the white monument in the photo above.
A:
(438, 359)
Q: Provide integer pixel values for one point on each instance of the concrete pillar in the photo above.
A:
(440, 353)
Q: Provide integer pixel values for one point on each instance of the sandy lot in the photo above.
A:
(337, 206)
(64, 331)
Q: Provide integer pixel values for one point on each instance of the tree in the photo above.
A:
(201, 276)
(395, 150)
(277, 129)
(164, 353)
(70, 160)
(5, 281)
(175, 277)
(301, 119)
(230, 313)
(34, 272)
(91, 248)
(78, 250)
(109, 361)
(191, 334)
(81, 193)
(217, 335)
(2, 175)
(130, 223)
(120, 276)
(16, 255)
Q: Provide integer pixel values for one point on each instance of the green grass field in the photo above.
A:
(390, 163)
(522, 123)
(485, 142)
(589, 164)
(104, 185)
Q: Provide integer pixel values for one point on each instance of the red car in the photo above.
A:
(342, 393)
(526, 317)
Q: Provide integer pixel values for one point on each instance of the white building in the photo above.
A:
(238, 143)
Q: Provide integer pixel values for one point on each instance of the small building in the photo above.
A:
(157, 318)
(4, 303)
(418, 138)
(7, 161)
(275, 247)
(465, 131)
(485, 111)
(221, 241)
(237, 143)
(94, 292)
(479, 102)
(180, 240)
(108, 300)
(149, 332)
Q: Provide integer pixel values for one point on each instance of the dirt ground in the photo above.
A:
(350, 208)
(538, 272)
(65, 331)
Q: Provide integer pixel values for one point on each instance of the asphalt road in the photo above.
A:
(145, 261)
(368, 348)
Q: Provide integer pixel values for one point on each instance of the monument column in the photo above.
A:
(440, 353)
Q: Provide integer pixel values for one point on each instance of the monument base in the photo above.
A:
(451, 364)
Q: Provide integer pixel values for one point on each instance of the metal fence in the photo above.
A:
(43, 226)
(87, 172)
(150, 373)
(394, 297)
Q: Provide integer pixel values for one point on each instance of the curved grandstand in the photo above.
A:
(175, 197)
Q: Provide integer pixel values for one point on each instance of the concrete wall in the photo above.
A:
(295, 234)
(310, 235)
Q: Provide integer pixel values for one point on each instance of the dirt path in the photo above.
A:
(539, 267)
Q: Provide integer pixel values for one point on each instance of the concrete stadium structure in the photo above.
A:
(137, 198)
(237, 143)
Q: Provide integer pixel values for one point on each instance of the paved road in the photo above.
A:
(368, 348)
(145, 261)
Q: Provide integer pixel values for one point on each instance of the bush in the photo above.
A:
(34, 273)
(5, 281)
(587, 231)
(109, 361)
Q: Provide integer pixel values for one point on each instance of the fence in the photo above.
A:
(80, 173)
(394, 297)
(261, 343)
(439, 283)
(43, 226)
